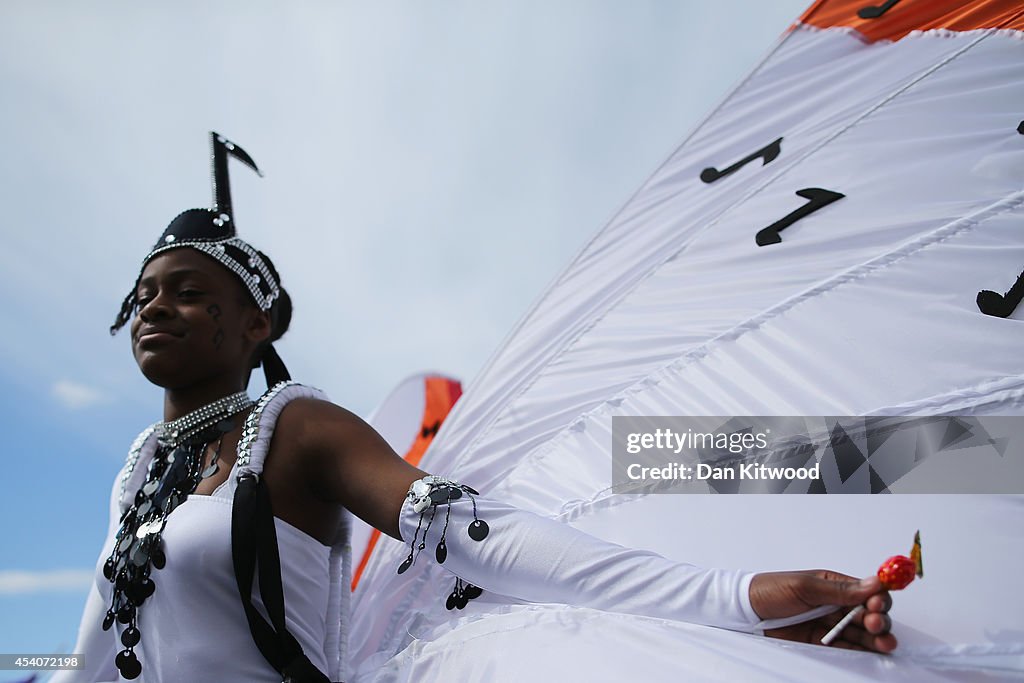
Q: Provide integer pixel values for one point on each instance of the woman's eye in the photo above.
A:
(189, 292)
(141, 302)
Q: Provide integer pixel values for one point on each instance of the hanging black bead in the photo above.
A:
(462, 594)
(157, 555)
(138, 591)
(441, 554)
(128, 664)
(134, 594)
(130, 637)
(126, 614)
(478, 530)
(404, 567)
(440, 495)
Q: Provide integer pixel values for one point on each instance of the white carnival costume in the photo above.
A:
(193, 626)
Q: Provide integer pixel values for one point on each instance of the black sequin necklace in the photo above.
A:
(174, 473)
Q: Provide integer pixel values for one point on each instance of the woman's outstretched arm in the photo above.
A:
(540, 560)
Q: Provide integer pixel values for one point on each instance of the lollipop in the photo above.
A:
(896, 573)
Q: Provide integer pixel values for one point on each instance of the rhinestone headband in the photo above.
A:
(246, 262)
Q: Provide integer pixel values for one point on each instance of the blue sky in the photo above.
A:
(429, 169)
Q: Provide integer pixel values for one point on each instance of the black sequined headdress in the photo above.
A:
(212, 232)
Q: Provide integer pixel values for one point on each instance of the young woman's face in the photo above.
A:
(194, 321)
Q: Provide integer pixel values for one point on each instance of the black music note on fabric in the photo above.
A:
(873, 12)
(430, 431)
(1020, 128)
(769, 152)
(818, 198)
(1001, 305)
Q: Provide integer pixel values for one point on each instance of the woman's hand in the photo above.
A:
(775, 595)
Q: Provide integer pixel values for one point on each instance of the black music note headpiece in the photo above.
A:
(212, 232)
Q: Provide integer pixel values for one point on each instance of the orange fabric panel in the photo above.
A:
(916, 15)
(441, 395)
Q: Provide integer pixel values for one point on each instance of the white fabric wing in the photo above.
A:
(865, 306)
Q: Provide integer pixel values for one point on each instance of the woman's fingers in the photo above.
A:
(880, 602)
(886, 643)
(876, 623)
(869, 630)
(858, 638)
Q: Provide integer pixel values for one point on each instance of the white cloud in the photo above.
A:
(14, 582)
(75, 396)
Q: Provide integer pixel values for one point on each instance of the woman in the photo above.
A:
(225, 488)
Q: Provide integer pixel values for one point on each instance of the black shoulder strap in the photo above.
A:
(254, 538)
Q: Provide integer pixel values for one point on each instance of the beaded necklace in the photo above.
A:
(174, 473)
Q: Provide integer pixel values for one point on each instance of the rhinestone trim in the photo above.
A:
(133, 456)
(174, 432)
(250, 431)
(217, 251)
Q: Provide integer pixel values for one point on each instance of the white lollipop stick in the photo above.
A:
(843, 623)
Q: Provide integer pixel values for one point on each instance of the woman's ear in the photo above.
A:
(259, 326)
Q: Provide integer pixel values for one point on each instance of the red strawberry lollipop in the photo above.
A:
(898, 571)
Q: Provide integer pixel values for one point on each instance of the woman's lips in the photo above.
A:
(156, 338)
